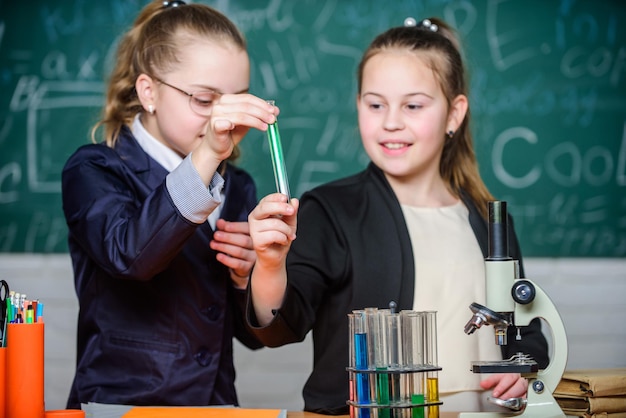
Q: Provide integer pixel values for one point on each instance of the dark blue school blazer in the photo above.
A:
(157, 310)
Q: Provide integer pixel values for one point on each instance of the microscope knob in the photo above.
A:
(523, 292)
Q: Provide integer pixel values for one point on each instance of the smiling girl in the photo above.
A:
(410, 228)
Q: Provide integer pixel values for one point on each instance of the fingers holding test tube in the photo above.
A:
(263, 211)
(272, 228)
(233, 115)
(273, 225)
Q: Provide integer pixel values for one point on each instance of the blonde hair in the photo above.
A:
(150, 47)
(441, 49)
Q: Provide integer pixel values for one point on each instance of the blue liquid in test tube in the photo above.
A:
(362, 383)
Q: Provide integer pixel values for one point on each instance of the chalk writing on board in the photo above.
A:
(49, 99)
(597, 166)
(547, 102)
(573, 224)
(10, 178)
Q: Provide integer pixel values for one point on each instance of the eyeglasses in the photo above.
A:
(200, 102)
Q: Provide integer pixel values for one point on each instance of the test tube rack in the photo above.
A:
(393, 369)
(403, 375)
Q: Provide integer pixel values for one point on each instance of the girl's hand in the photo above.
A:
(272, 228)
(273, 225)
(233, 244)
(506, 385)
(231, 118)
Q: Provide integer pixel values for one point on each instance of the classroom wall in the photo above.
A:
(589, 294)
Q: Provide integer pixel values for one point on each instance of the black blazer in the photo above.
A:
(157, 310)
(352, 237)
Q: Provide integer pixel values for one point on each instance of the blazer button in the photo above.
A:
(203, 357)
(212, 312)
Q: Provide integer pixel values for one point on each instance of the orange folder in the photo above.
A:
(190, 412)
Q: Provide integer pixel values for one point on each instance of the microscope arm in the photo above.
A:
(543, 307)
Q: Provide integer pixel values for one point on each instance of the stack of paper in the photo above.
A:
(593, 393)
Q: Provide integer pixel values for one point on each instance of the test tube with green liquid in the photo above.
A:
(278, 160)
(381, 358)
(413, 358)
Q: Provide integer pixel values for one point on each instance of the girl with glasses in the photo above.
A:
(157, 215)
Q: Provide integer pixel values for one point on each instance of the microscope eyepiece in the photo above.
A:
(498, 245)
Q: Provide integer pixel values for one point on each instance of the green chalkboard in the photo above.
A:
(548, 96)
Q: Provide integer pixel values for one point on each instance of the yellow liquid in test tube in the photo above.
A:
(432, 395)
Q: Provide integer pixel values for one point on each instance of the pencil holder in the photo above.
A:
(25, 371)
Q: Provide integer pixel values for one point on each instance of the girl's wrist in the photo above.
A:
(240, 282)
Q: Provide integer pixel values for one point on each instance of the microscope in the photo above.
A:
(515, 301)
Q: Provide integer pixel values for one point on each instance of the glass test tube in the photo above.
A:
(371, 326)
(373, 349)
(430, 357)
(278, 160)
(359, 335)
(381, 356)
(394, 355)
(413, 358)
(351, 364)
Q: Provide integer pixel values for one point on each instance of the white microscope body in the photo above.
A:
(512, 301)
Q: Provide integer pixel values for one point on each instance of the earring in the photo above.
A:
(151, 109)
(450, 134)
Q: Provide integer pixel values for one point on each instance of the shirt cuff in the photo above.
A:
(189, 194)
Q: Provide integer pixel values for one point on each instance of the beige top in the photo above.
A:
(449, 276)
